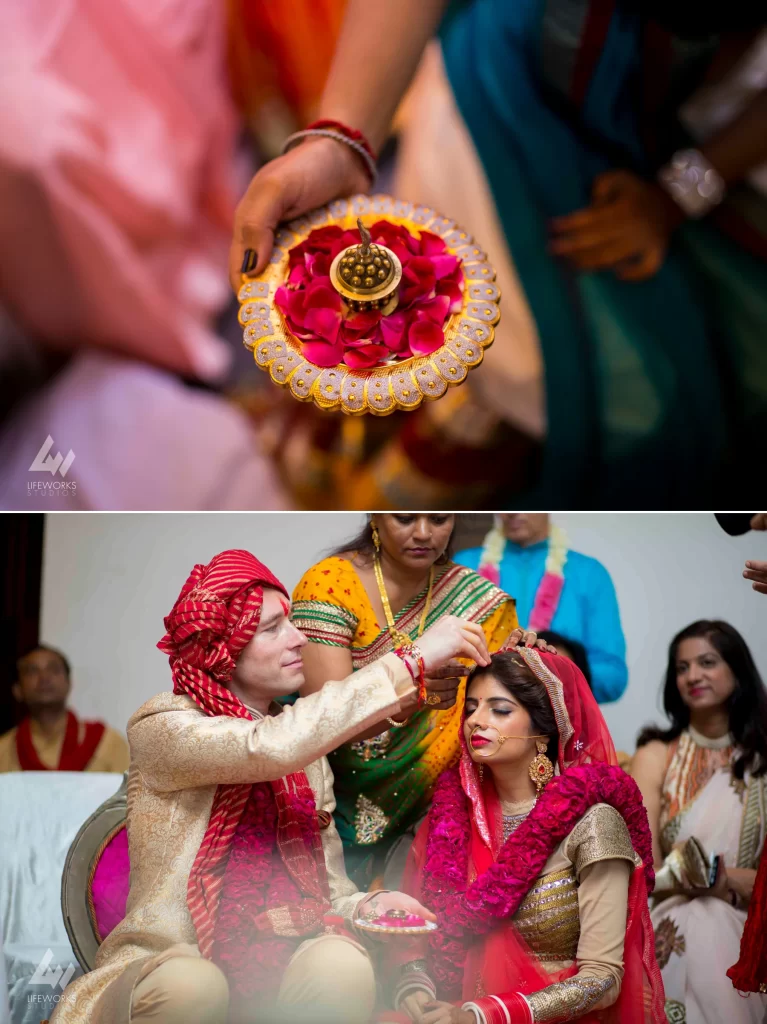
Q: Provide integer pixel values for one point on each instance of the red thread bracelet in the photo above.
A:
(403, 653)
(344, 129)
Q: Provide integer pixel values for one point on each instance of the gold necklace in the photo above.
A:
(400, 639)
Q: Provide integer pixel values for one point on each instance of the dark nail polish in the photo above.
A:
(249, 261)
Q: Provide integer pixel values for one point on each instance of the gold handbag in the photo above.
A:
(696, 864)
(688, 860)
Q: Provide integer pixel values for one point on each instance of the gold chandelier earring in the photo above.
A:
(376, 535)
(541, 769)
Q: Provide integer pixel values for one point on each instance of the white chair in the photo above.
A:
(40, 815)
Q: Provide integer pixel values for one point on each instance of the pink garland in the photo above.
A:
(546, 601)
(464, 913)
(251, 954)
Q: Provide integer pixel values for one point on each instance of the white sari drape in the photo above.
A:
(697, 940)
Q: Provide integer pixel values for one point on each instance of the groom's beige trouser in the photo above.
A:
(328, 979)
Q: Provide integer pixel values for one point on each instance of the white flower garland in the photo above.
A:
(494, 546)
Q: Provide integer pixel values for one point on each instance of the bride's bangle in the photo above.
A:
(397, 725)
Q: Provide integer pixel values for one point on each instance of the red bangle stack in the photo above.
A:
(350, 133)
(404, 654)
(509, 1008)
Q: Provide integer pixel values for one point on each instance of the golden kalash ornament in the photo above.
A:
(368, 277)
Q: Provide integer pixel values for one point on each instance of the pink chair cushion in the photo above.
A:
(111, 881)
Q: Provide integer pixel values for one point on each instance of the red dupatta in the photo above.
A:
(75, 755)
(461, 869)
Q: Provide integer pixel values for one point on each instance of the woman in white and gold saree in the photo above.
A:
(705, 789)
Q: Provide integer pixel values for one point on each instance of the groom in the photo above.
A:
(239, 903)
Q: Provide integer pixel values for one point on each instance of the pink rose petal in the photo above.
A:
(299, 276)
(297, 307)
(365, 356)
(418, 280)
(431, 244)
(322, 354)
(394, 330)
(444, 265)
(318, 264)
(424, 337)
(453, 293)
(282, 298)
(361, 324)
(325, 323)
(435, 309)
(322, 295)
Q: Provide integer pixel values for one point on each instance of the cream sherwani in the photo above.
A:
(178, 757)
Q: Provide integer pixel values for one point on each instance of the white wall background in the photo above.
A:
(108, 580)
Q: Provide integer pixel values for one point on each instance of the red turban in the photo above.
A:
(213, 620)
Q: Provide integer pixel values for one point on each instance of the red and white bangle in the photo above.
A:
(341, 133)
(510, 1008)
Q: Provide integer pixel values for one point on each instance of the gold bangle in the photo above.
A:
(397, 725)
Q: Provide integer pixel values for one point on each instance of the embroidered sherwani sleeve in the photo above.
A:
(600, 849)
(182, 749)
(344, 895)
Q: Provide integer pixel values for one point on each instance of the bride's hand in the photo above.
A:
(528, 638)
(450, 638)
(445, 1013)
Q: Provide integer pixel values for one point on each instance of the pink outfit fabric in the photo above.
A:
(110, 885)
(141, 440)
(116, 146)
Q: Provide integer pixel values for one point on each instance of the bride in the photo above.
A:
(537, 860)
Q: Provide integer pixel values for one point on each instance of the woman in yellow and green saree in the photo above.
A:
(395, 579)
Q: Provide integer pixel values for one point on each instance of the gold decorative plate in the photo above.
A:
(397, 385)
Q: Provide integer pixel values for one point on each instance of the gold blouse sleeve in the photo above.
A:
(601, 834)
(600, 849)
(182, 749)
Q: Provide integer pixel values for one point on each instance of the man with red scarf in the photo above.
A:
(240, 908)
(51, 737)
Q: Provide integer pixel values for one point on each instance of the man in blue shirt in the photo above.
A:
(587, 608)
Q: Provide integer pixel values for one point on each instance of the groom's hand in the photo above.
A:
(452, 637)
